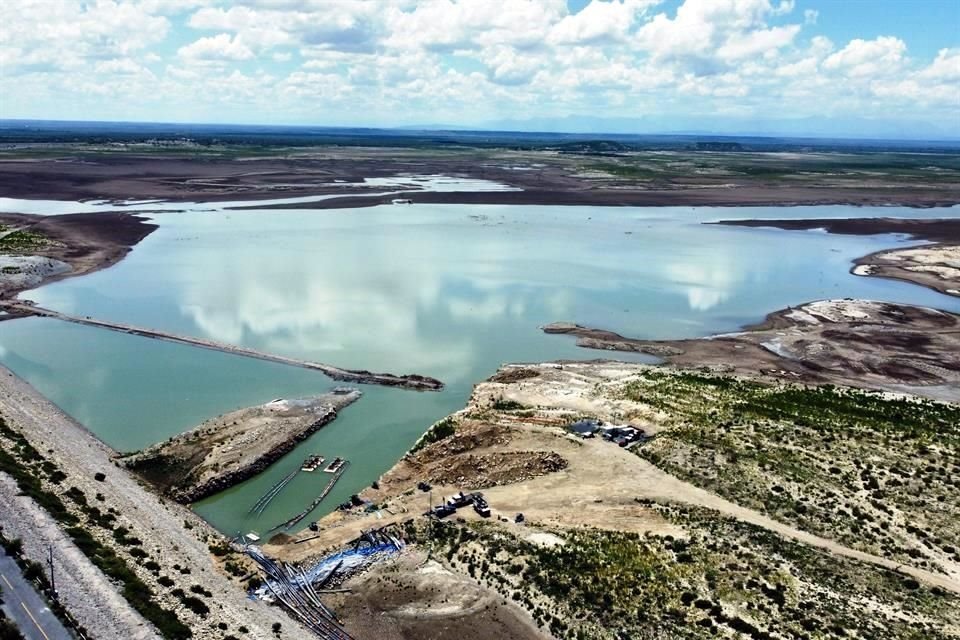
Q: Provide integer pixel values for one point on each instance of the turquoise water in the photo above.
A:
(449, 291)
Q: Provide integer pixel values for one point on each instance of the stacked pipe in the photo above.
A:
(294, 592)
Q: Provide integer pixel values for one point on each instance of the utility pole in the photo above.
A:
(53, 580)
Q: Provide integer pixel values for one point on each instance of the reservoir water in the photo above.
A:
(449, 291)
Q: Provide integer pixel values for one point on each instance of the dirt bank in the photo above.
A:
(860, 343)
(415, 598)
(932, 229)
(84, 242)
(231, 448)
(935, 266)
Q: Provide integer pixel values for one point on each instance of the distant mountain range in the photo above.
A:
(812, 127)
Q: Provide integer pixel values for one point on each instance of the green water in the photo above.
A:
(442, 290)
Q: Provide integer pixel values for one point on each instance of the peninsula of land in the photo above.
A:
(231, 448)
(36, 250)
(935, 265)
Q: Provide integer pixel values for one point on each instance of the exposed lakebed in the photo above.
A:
(449, 291)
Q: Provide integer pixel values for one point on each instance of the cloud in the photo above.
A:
(945, 67)
(59, 34)
(706, 35)
(462, 61)
(220, 47)
(599, 22)
(120, 65)
(445, 25)
(859, 58)
(759, 42)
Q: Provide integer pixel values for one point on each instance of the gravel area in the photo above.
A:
(172, 535)
(26, 272)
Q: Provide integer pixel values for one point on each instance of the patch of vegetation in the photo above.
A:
(501, 404)
(724, 578)
(25, 241)
(878, 473)
(440, 430)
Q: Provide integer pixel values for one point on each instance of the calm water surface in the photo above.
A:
(449, 291)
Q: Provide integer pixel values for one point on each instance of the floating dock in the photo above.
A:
(335, 466)
(312, 463)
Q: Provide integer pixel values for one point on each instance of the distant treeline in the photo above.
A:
(53, 132)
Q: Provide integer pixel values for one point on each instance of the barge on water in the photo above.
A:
(335, 465)
(312, 463)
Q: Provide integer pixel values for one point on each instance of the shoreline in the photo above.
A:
(677, 353)
(934, 266)
(87, 242)
(700, 197)
(858, 343)
(233, 447)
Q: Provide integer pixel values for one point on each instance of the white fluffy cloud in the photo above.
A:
(600, 22)
(219, 47)
(859, 58)
(398, 61)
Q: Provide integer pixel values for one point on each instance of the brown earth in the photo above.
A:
(874, 345)
(546, 178)
(932, 229)
(85, 241)
(415, 598)
(934, 266)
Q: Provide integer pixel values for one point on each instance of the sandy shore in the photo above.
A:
(934, 266)
(173, 535)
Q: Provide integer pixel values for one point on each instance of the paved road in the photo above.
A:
(25, 607)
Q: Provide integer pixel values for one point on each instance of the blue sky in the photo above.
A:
(864, 66)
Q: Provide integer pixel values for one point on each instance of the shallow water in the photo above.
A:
(450, 291)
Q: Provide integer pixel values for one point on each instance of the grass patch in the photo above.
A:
(877, 473)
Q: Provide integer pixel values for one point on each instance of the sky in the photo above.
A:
(568, 64)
